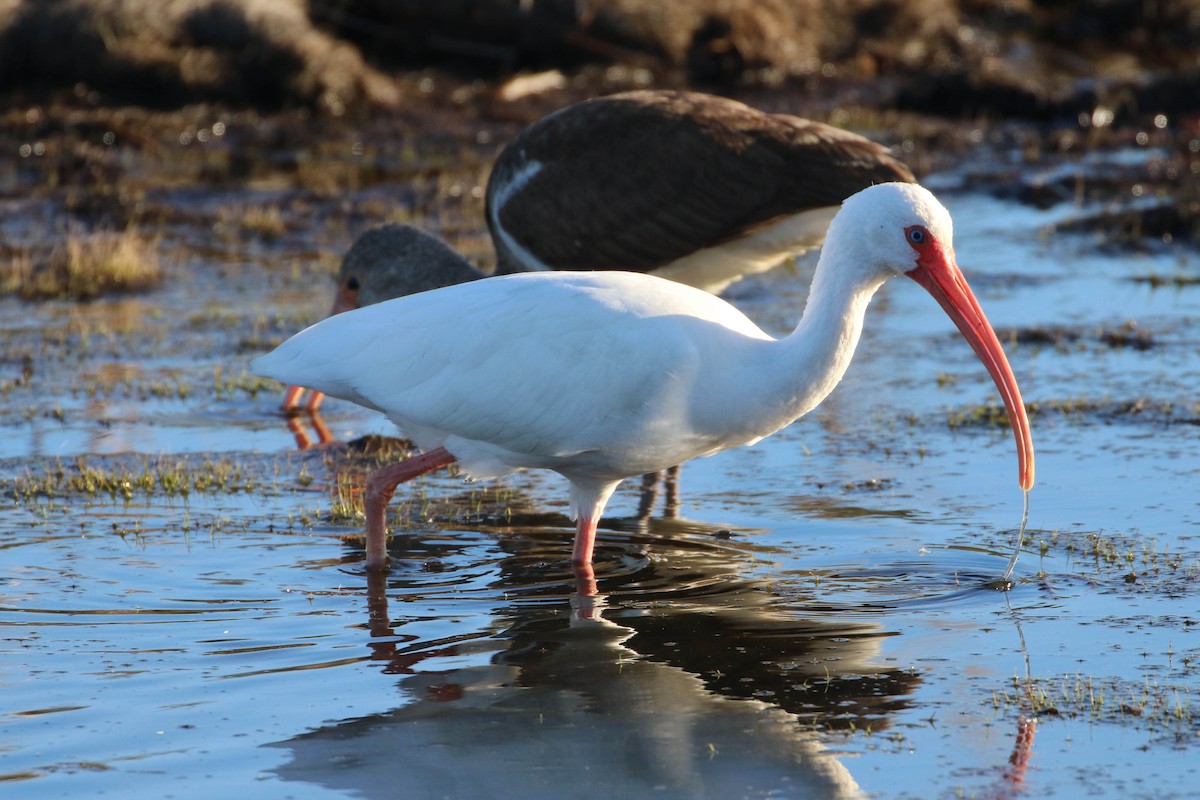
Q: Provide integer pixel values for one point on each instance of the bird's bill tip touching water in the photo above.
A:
(939, 274)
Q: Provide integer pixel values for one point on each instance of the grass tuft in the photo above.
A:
(164, 478)
(1150, 704)
(83, 267)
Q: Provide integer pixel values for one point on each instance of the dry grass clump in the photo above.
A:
(83, 267)
(265, 222)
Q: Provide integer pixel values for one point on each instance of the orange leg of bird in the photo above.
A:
(291, 399)
(381, 485)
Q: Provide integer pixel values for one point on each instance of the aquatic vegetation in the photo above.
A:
(265, 221)
(123, 379)
(983, 415)
(161, 478)
(84, 266)
(1078, 409)
(1065, 338)
(1157, 281)
(1134, 558)
(346, 498)
(1158, 706)
(480, 504)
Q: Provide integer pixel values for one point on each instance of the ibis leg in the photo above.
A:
(296, 426)
(381, 484)
(585, 539)
(581, 559)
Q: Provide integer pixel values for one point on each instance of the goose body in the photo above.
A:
(693, 187)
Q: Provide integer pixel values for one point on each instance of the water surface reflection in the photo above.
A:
(677, 675)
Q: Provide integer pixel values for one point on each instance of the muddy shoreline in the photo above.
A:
(1023, 84)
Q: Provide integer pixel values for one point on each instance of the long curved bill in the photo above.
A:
(938, 273)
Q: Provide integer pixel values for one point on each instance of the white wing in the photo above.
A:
(529, 370)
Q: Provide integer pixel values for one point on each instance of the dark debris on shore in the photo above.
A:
(1034, 59)
(112, 105)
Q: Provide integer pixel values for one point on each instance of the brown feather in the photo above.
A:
(637, 180)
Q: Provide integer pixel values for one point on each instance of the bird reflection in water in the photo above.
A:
(1012, 779)
(675, 675)
(304, 440)
(671, 675)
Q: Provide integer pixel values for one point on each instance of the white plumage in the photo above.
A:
(481, 368)
(605, 375)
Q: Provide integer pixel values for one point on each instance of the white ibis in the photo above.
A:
(600, 376)
(689, 186)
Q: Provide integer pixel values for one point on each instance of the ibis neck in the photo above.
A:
(814, 357)
(772, 382)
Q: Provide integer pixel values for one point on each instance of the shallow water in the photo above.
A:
(812, 623)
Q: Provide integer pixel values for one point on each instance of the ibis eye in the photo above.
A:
(917, 235)
(352, 284)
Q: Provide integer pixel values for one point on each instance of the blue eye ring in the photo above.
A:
(917, 235)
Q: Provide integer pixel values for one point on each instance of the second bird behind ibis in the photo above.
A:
(684, 185)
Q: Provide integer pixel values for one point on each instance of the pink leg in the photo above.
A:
(585, 580)
(292, 399)
(381, 484)
(1022, 751)
(585, 540)
(581, 560)
(314, 402)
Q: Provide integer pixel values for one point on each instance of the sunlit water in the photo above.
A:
(813, 623)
